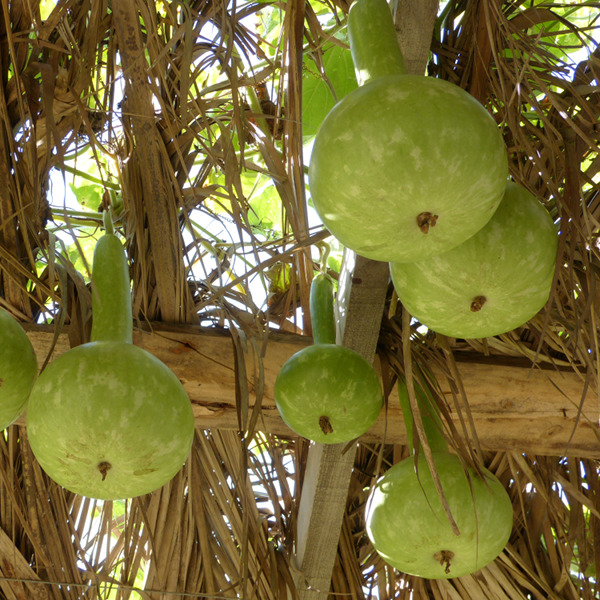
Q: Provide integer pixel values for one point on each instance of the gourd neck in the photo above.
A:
(111, 289)
(430, 417)
(374, 41)
(321, 310)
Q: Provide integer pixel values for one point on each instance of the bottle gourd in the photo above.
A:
(405, 166)
(107, 419)
(405, 518)
(494, 282)
(326, 392)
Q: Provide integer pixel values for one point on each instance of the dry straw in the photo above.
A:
(163, 95)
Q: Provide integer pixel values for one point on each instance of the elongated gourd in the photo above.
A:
(405, 166)
(107, 419)
(405, 518)
(327, 393)
(18, 369)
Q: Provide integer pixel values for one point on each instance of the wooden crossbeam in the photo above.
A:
(514, 407)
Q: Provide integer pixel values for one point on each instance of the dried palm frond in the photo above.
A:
(186, 119)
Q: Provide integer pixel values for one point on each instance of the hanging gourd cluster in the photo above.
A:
(413, 171)
(406, 169)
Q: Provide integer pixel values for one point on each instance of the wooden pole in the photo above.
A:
(361, 297)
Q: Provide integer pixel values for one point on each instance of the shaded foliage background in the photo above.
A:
(193, 120)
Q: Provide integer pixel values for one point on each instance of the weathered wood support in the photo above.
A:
(360, 303)
(514, 407)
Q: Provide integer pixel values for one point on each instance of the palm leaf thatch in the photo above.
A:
(190, 119)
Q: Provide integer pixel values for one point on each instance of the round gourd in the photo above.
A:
(327, 393)
(18, 369)
(407, 167)
(492, 283)
(107, 419)
(408, 526)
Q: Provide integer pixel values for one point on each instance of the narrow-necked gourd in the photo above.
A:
(405, 166)
(494, 282)
(406, 520)
(326, 392)
(18, 369)
(107, 419)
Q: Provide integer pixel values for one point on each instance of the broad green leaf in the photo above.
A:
(269, 23)
(88, 196)
(319, 95)
(86, 243)
(265, 204)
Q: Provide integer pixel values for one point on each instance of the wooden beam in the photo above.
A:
(514, 407)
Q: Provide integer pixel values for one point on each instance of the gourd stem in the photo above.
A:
(374, 41)
(111, 290)
(108, 222)
(321, 310)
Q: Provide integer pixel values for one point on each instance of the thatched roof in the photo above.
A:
(187, 118)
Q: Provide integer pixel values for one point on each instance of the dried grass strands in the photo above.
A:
(226, 524)
(201, 533)
(204, 531)
(154, 201)
(21, 211)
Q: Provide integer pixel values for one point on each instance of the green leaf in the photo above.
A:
(319, 94)
(265, 204)
(269, 23)
(265, 214)
(88, 196)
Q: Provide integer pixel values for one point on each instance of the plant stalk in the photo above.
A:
(432, 423)
(321, 310)
(374, 41)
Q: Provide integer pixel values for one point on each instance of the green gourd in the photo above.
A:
(405, 166)
(326, 392)
(494, 282)
(107, 419)
(18, 369)
(406, 520)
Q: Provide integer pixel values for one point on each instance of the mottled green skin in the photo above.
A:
(510, 262)
(408, 526)
(326, 380)
(111, 292)
(114, 403)
(18, 369)
(400, 146)
(374, 41)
